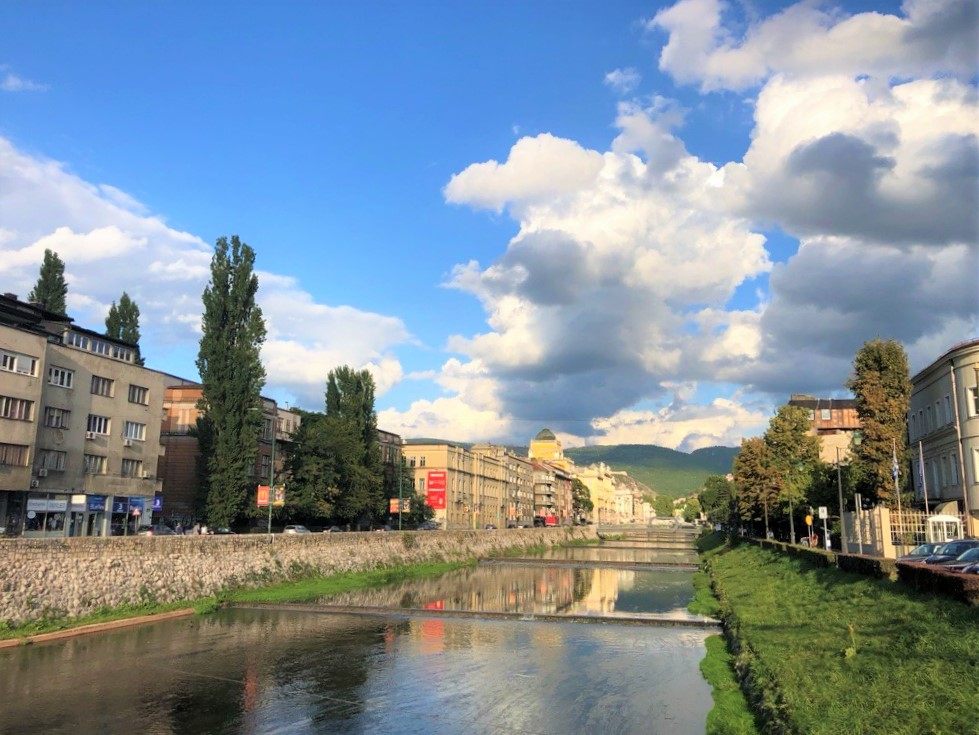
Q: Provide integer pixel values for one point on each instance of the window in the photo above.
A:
(13, 454)
(948, 409)
(98, 424)
(61, 377)
(139, 394)
(77, 340)
(953, 471)
(914, 428)
(56, 418)
(94, 464)
(411, 461)
(973, 401)
(812, 415)
(928, 422)
(102, 386)
(825, 414)
(132, 468)
(99, 347)
(421, 484)
(16, 408)
(51, 459)
(14, 362)
(944, 468)
(421, 461)
(265, 469)
(132, 430)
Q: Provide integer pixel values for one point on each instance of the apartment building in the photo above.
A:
(943, 428)
(600, 481)
(79, 428)
(519, 483)
(466, 489)
(833, 420)
(181, 465)
(552, 493)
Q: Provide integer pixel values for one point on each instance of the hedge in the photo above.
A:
(925, 578)
(870, 565)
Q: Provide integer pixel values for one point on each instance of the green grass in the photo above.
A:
(105, 615)
(832, 652)
(730, 714)
(588, 541)
(703, 602)
(315, 587)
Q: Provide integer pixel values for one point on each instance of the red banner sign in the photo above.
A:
(263, 496)
(435, 489)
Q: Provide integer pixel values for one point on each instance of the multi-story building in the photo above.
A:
(600, 481)
(833, 420)
(79, 428)
(390, 445)
(546, 447)
(181, 465)
(943, 428)
(519, 483)
(465, 489)
(552, 493)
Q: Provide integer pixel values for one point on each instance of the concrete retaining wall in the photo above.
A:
(76, 576)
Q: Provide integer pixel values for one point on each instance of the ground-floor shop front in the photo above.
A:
(35, 514)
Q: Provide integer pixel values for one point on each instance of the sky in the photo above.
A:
(630, 222)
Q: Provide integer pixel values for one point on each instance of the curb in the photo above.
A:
(95, 628)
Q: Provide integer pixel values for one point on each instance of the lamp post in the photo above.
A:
(400, 488)
(839, 490)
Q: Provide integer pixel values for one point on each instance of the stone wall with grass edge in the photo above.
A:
(73, 578)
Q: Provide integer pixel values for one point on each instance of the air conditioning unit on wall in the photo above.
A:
(42, 472)
(89, 434)
(127, 442)
(35, 483)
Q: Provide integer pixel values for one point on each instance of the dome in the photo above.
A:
(545, 435)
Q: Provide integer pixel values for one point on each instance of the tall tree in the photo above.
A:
(350, 403)
(581, 502)
(717, 499)
(755, 481)
(122, 322)
(232, 377)
(51, 289)
(792, 452)
(882, 387)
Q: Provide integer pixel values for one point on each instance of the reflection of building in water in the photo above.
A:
(604, 591)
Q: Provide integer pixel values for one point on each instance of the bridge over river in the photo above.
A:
(585, 639)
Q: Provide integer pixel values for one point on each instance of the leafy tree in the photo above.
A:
(756, 482)
(691, 509)
(663, 506)
(315, 467)
(350, 400)
(232, 377)
(419, 511)
(581, 502)
(793, 454)
(51, 289)
(123, 322)
(882, 387)
(717, 499)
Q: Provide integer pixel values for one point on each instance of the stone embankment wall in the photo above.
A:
(73, 577)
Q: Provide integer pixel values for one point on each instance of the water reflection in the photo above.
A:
(513, 588)
(258, 672)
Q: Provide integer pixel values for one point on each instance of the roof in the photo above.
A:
(945, 357)
(817, 403)
(545, 435)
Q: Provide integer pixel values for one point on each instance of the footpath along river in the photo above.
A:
(575, 640)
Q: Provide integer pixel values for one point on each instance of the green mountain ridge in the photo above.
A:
(666, 471)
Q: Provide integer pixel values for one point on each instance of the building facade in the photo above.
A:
(546, 447)
(834, 421)
(79, 428)
(181, 465)
(600, 481)
(465, 489)
(943, 429)
(519, 478)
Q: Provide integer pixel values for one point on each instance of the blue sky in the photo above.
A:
(325, 134)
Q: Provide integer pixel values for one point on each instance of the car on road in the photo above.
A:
(920, 552)
(965, 559)
(157, 530)
(296, 529)
(951, 551)
(490, 527)
(223, 531)
(430, 526)
(332, 529)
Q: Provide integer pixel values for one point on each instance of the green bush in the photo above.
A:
(924, 578)
(869, 565)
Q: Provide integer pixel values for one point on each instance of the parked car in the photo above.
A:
(223, 532)
(951, 551)
(972, 569)
(297, 529)
(920, 552)
(332, 529)
(429, 526)
(490, 527)
(965, 559)
(157, 530)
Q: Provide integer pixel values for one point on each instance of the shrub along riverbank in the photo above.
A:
(827, 651)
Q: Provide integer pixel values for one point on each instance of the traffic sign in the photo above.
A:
(808, 520)
(823, 512)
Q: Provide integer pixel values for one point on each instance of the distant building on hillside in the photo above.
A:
(833, 420)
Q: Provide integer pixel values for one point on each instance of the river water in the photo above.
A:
(303, 671)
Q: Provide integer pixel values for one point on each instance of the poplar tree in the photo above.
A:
(123, 322)
(756, 482)
(232, 377)
(881, 385)
(793, 453)
(51, 289)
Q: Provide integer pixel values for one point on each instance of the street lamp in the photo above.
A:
(839, 491)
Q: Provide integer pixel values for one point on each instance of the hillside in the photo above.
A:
(666, 471)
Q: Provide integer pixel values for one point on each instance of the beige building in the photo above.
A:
(546, 447)
(465, 489)
(834, 421)
(519, 483)
(944, 419)
(600, 481)
(79, 428)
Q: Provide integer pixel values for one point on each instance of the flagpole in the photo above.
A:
(895, 471)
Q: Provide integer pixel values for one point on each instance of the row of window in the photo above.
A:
(17, 455)
(99, 346)
(940, 473)
(18, 409)
(103, 425)
(928, 420)
(15, 362)
(412, 462)
(59, 418)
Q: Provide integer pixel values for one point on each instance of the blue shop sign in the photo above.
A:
(158, 503)
(137, 504)
(120, 505)
(96, 503)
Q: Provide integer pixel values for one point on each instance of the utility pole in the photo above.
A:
(272, 475)
(400, 487)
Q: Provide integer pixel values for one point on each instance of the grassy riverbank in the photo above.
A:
(830, 652)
